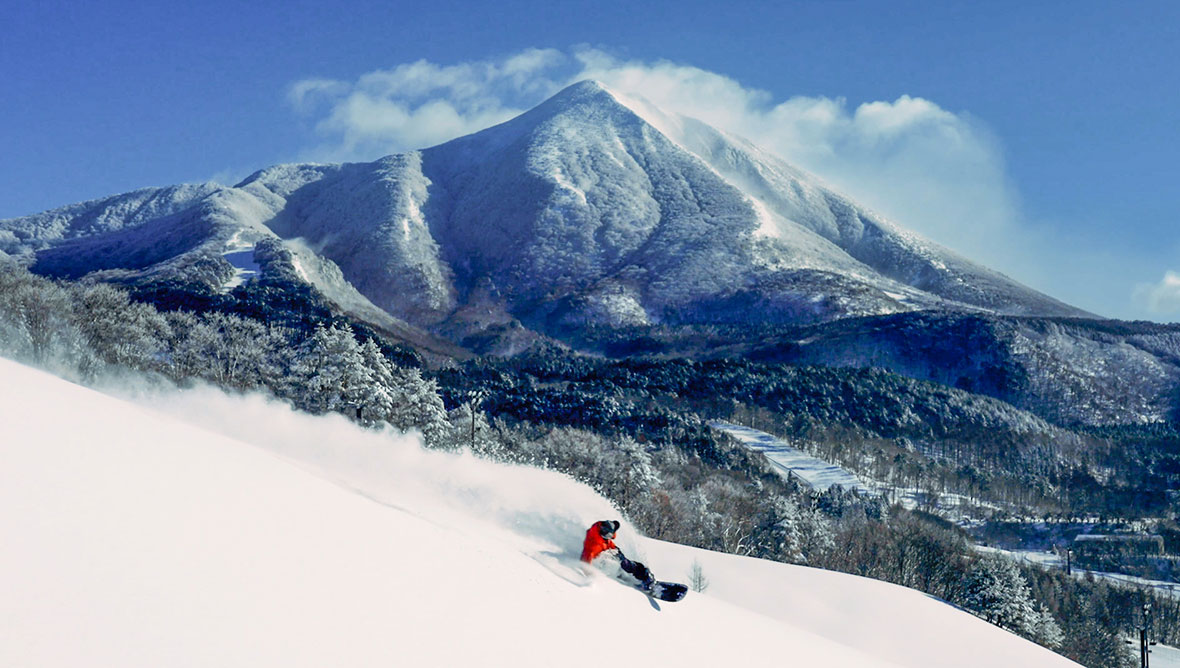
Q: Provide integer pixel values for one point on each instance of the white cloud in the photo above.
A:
(420, 104)
(303, 93)
(1162, 298)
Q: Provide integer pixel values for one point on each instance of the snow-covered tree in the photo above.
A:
(1047, 631)
(994, 589)
(239, 356)
(116, 331)
(378, 404)
(470, 429)
(416, 404)
(35, 313)
(229, 351)
(188, 340)
(331, 372)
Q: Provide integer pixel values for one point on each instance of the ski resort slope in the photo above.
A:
(196, 529)
(788, 461)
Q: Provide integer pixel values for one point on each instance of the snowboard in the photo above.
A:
(665, 591)
(634, 574)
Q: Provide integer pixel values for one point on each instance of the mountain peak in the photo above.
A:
(586, 96)
(584, 87)
(595, 96)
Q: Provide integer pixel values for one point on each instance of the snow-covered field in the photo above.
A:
(788, 461)
(819, 474)
(196, 529)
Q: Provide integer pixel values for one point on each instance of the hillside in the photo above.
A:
(199, 529)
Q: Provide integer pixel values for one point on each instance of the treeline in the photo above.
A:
(90, 332)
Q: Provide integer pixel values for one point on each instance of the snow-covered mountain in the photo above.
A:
(591, 208)
(196, 529)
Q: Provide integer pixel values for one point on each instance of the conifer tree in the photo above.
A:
(332, 372)
(994, 589)
(416, 405)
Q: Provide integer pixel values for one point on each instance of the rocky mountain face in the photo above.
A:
(590, 212)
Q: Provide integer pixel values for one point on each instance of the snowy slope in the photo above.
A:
(135, 537)
(790, 461)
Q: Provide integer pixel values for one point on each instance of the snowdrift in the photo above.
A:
(197, 529)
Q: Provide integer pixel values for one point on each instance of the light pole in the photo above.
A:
(474, 399)
(1144, 652)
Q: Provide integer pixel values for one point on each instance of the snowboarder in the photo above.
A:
(599, 550)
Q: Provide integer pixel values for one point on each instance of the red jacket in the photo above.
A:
(595, 544)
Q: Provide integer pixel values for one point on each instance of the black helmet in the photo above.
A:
(608, 528)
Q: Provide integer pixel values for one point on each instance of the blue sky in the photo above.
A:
(1040, 138)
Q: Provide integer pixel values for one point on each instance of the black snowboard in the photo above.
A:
(635, 574)
(666, 591)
